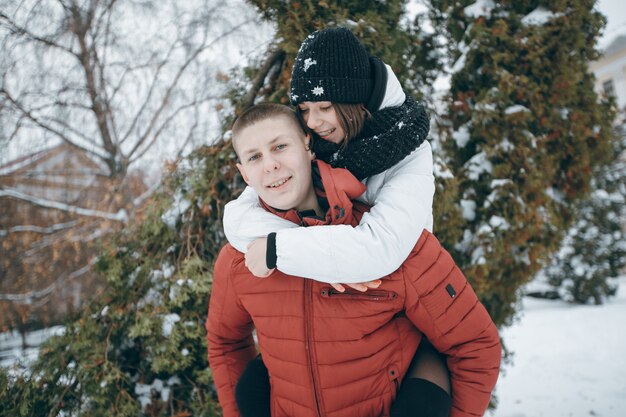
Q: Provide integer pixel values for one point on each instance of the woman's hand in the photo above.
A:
(255, 258)
(359, 286)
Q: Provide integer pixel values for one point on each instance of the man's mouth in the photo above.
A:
(279, 183)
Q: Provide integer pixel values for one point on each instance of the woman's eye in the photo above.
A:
(254, 157)
(281, 147)
(326, 108)
(304, 111)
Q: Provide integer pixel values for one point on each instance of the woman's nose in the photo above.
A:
(313, 121)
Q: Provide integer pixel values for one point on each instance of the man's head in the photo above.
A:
(274, 156)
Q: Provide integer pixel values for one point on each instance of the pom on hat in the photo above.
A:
(331, 65)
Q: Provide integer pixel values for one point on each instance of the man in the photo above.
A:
(330, 353)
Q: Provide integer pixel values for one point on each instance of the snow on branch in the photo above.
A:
(480, 8)
(38, 229)
(120, 216)
(540, 16)
(147, 194)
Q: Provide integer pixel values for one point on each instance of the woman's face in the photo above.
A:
(320, 116)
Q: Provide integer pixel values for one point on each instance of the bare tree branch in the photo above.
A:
(18, 30)
(59, 103)
(46, 127)
(127, 70)
(181, 70)
(80, 28)
(153, 85)
(189, 136)
(276, 57)
(102, 65)
(167, 121)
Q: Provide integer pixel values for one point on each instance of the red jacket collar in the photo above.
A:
(339, 187)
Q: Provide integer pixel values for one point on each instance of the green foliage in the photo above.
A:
(523, 134)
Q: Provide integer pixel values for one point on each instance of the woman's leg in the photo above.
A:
(252, 391)
(425, 390)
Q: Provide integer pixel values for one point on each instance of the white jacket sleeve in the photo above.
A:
(245, 220)
(401, 199)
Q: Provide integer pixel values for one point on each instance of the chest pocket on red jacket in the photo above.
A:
(352, 314)
(354, 324)
(369, 295)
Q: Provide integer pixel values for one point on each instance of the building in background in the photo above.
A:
(56, 206)
(610, 72)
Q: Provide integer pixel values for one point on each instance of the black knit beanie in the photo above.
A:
(331, 65)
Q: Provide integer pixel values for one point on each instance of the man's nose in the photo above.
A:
(270, 164)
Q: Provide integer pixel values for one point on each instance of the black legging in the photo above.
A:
(417, 397)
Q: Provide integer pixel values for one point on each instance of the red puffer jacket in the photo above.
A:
(344, 354)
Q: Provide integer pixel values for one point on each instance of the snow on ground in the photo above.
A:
(569, 360)
(11, 345)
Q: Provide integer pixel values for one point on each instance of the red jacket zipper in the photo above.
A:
(371, 295)
(309, 343)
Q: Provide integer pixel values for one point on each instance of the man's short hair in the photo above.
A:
(264, 111)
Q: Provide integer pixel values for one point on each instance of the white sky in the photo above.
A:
(615, 10)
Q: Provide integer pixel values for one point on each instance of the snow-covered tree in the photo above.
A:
(593, 253)
(524, 132)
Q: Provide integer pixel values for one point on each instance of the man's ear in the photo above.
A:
(307, 145)
(242, 171)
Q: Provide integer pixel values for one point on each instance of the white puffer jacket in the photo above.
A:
(401, 199)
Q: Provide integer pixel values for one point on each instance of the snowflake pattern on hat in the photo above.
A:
(308, 62)
(318, 91)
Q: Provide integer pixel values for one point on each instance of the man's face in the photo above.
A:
(275, 162)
